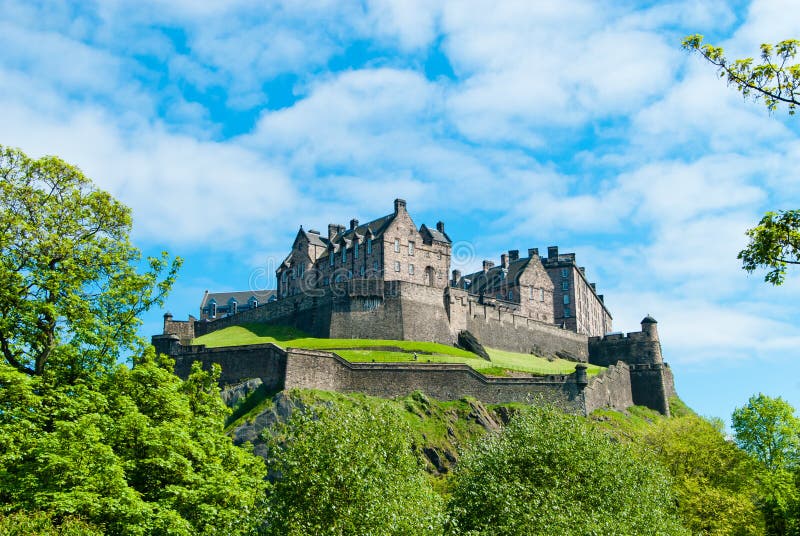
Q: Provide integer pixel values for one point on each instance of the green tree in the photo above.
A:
(136, 451)
(349, 472)
(714, 482)
(775, 80)
(70, 293)
(768, 429)
(550, 473)
(775, 242)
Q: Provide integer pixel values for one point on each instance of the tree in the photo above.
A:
(714, 481)
(70, 293)
(768, 429)
(349, 472)
(774, 80)
(551, 473)
(137, 451)
(775, 242)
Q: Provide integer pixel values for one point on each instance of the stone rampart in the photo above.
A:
(609, 389)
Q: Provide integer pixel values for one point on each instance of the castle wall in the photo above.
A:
(611, 388)
(265, 361)
(182, 328)
(651, 385)
(308, 369)
(634, 348)
(507, 331)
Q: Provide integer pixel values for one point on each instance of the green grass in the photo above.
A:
(390, 351)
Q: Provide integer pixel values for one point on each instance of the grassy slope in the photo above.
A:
(369, 350)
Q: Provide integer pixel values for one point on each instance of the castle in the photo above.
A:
(388, 279)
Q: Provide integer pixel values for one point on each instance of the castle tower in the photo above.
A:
(650, 330)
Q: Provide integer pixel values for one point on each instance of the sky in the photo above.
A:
(227, 125)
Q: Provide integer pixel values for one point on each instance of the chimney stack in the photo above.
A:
(487, 265)
(353, 223)
(513, 255)
(582, 269)
(552, 252)
(332, 230)
(533, 252)
(399, 204)
(504, 260)
(440, 226)
(456, 277)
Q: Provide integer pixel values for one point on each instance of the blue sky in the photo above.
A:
(519, 124)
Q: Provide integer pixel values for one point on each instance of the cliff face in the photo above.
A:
(440, 429)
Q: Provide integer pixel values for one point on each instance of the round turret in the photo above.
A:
(650, 327)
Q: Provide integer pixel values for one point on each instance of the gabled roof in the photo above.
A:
(495, 277)
(315, 239)
(241, 297)
(375, 228)
(435, 234)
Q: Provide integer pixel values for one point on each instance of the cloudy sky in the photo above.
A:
(520, 124)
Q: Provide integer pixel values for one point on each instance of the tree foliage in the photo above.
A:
(768, 429)
(714, 481)
(775, 80)
(550, 473)
(349, 472)
(774, 244)
(70, 292)
(137, 451)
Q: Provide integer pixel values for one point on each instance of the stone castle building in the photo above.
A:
(389, 279)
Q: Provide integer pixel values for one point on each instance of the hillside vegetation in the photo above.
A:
(390, 351)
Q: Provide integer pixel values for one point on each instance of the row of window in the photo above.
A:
(356, 248)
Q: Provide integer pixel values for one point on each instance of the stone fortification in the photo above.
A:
(308, 369)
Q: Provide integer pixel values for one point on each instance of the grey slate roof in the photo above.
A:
(494, 278)
(435, 234)
(375, 228)
(241, 297)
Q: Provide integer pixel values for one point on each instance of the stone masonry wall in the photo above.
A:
(611, 388)
(265, 361)
(633, 348)
(649, 386)
(308, 369)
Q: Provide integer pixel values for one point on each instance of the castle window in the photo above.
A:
(302, 269)
(564, 273)
(232, 307)
(349, 274)
(411, 269)
(396, 266)
(253, 303)
(212, 309)
(565, 285)
(566, 299)
(355, 251)
(375, 266)
(397, 245)
(362, 271)
(344, 253)
(567, 312)
(410, 248)
(541, 294)
(369, 247)
(331, 257)
(531, 289)
(510, 295)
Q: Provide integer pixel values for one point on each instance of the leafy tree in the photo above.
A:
(349, 472)
(775, 242)
(136, 451)
(70, 294)
(774, 80)
(768, 429)
(714, 481)
(550, 473)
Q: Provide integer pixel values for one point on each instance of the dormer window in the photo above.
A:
(232, 306)
(253, 302)
(212, 309)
